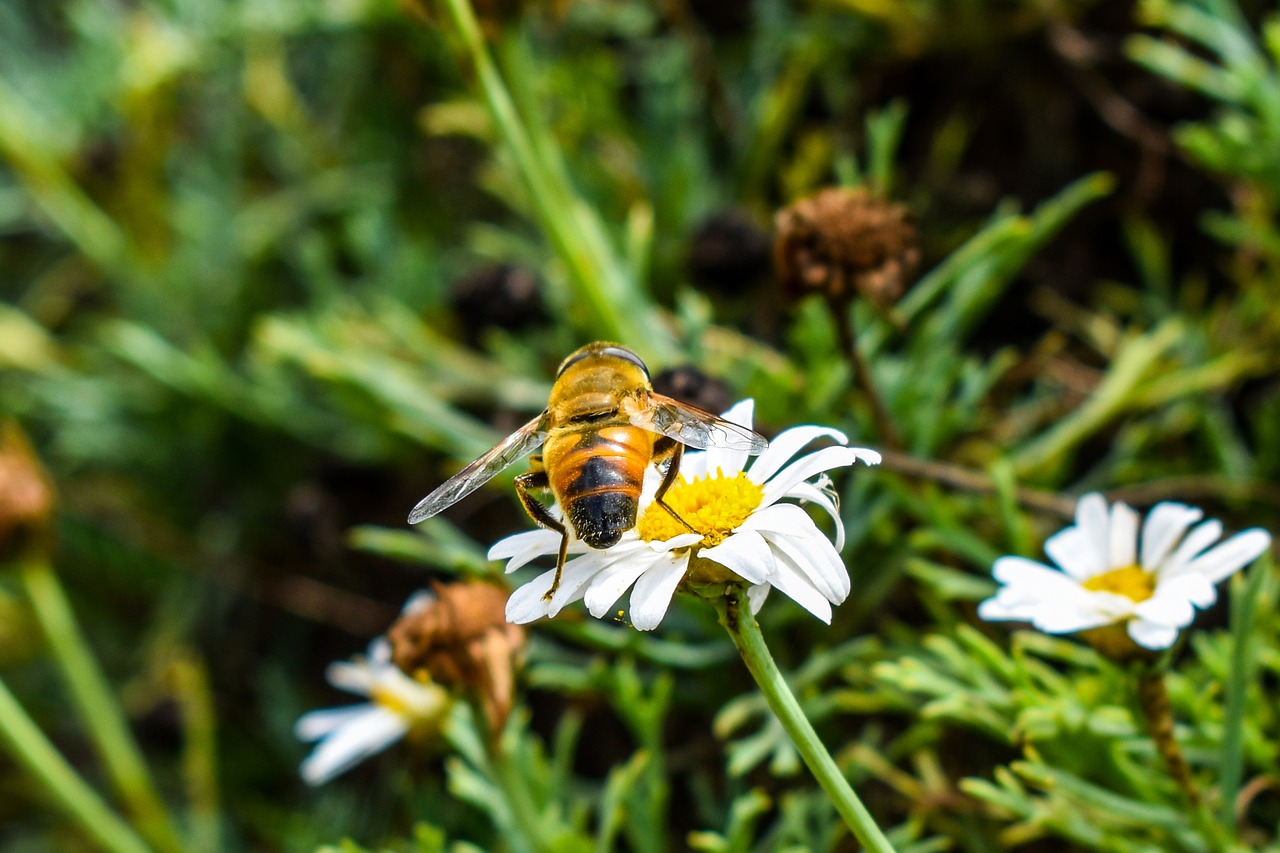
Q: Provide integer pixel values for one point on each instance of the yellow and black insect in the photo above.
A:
(602, 427)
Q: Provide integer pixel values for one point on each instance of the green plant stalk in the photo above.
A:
(618, 310)
(737, 619)
(1244, 599)
(22, 739)
(98, 708)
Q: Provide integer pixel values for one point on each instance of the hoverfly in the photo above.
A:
(602, 427)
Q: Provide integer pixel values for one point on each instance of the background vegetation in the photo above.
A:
(240, 251)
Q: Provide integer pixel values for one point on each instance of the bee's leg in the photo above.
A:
(538, 512)
(666, 447)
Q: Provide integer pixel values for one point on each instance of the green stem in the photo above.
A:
(618, 310)
(736, 616)
(22, 738)
(1157, 712)
(96, 704)
(1244, 602)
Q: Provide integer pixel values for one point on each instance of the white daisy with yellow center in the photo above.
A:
(399, 706)
(1109, 575)
(741, 527)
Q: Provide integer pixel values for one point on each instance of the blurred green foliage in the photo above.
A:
(232, 238)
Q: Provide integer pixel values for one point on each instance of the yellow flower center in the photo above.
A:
(713, 506)
(1131, 582)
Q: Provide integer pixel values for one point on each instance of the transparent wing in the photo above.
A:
(696, 428)
(529, 437)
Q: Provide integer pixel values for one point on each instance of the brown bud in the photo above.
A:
(843, 242)
(461, 638)
(26, 495)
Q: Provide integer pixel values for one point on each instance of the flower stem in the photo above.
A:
(1157, 712)
(20, 736)
(862, 376)
(98, 707)
(736, 617)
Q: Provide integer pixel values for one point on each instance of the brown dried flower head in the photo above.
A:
(26, 494)
(461, 638)
(844, 242)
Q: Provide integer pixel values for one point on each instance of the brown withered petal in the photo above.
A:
(26, 494)
(462, 639)
(844, 242)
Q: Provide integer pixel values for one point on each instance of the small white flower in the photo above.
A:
(350, 734)
(1108, 575)
(742, 525)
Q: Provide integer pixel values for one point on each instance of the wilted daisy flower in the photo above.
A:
(398, 706)
(744, 532)
(1109, 575)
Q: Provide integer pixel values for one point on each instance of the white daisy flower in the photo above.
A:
(742, 529)
(348, 735)
(1108, 575)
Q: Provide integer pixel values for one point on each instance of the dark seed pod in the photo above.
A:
(690, 385)
(843, 242)
(503, 296)
(728, 253)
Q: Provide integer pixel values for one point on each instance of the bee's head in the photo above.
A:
(602, 351)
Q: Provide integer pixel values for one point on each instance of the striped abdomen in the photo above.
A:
(597, 475)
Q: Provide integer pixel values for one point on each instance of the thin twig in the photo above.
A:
(862, 377)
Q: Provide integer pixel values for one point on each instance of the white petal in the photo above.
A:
(610, 584)
(805, 467)
(347, 747)
(526, 604)
(1024, 573)
(684, 540)
(1071, 549)
(745, 553)
(1228, 558)
(1194, 588)
(314, 725)
(741, 413)
(792, 582)
(523, 548)
(1166, 610)
(1201, 536)
(1124, 536)
(1164, 526)
(1102, 609)
(786, 445)
(1152, 636)
(652, 595)
(1095, 523)
(355, 676)
(814, 556)
(756, 596)
(812, 494)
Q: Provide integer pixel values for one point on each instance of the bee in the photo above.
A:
(602, 427)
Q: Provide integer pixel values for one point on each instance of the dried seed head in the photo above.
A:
(26, 495)
(842, 243)
(461, 638)
(690, 385)
(728, 252)
(504, 296)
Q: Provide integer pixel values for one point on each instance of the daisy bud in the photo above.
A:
(460, 637)
(843, 242)
(26, 495)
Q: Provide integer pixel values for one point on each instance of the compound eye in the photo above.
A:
(602, 350)
(626, 355)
